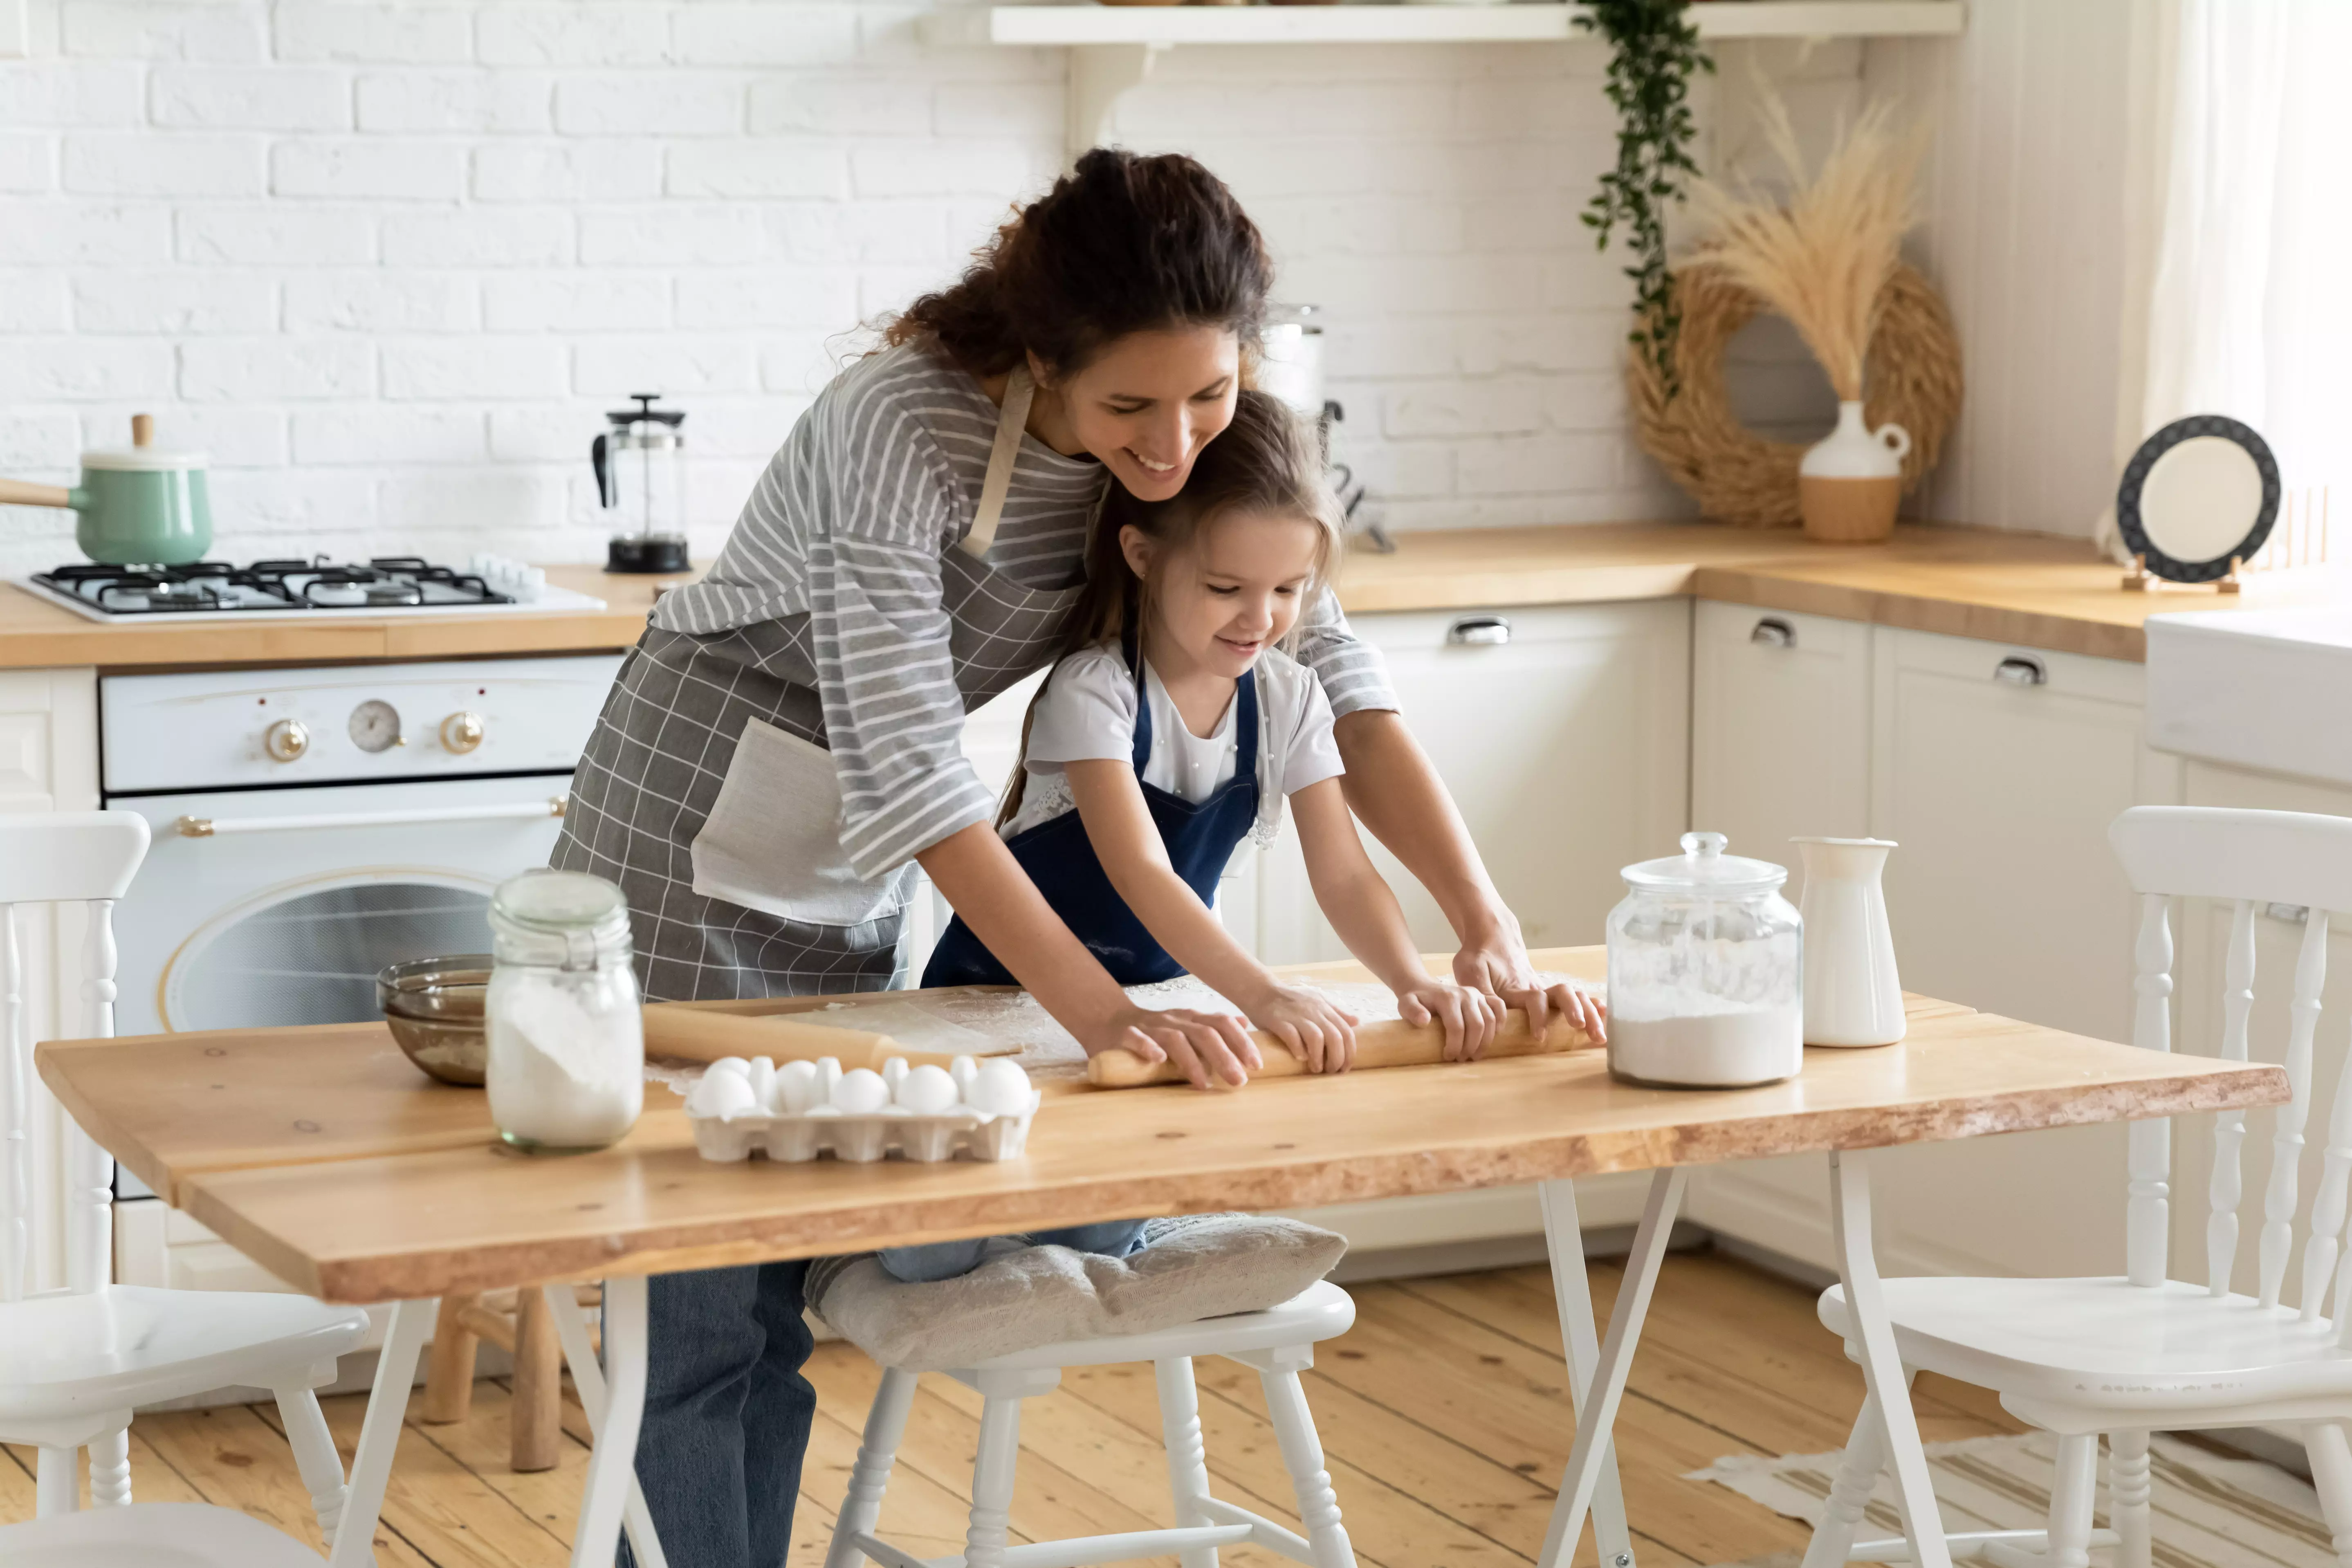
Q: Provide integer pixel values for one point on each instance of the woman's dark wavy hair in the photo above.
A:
(1121, 244)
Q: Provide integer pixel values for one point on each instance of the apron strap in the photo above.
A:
(1019, 391)
(1129, 646)
(1245, 727)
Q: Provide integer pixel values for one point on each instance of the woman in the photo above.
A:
(784, 741)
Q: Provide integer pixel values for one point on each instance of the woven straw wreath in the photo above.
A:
(1740, 478)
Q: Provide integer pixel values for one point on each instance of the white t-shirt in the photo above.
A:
(1087, 713)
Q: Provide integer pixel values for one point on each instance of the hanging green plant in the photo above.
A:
(1655, 53)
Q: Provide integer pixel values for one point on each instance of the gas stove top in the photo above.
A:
(388, 585)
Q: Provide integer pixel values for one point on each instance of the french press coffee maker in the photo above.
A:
(639, 461)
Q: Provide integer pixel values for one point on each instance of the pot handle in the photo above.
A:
(1894, 439)
(16, 492)
(606, 496)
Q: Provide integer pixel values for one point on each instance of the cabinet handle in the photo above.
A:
(1774, 632)
(2017, 669)
(1479, 631)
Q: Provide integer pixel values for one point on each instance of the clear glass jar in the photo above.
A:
(567, 1043)
(1706, 982)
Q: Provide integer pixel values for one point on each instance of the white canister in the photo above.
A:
(1706, 972)
(566, 1068)
(1290, 357)
(1853, 994)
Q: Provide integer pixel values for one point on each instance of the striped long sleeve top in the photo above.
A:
(840, 555)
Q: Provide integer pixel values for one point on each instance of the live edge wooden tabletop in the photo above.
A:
(324, 1156)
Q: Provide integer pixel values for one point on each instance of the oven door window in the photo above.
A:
(310, 956)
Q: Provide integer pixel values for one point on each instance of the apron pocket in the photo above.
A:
(772, 841)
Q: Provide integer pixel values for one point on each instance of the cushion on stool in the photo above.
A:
(1020, 1298)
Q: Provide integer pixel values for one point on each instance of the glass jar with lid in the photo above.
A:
(1706, 982)
(567, 1045)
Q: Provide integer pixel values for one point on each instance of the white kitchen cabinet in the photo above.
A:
(1565, 741)
(1779, 730)
(48, 762)
(1779, 746)
(1998, 769)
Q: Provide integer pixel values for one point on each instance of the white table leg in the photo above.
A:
(1598, 1413)
(1882, 1366)
(1571, 1291)
(612, 1463)
(588, 1378)
(387, 1407)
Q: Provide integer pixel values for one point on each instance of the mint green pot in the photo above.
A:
(136, 506)
(142, 517)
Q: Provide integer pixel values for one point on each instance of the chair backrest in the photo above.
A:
(2252, 860)
(66, 857)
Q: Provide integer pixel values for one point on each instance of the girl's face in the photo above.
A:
(1236, 588)
(1149, 402)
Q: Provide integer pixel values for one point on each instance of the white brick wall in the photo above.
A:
(389, 261)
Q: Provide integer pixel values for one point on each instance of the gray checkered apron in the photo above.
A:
(662, 746)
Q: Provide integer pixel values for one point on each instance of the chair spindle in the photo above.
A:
(2147, 1212)
(2286, 1122)
(90, 1170)
(2325, 1245)
(15, 1120)
(2229, 1126)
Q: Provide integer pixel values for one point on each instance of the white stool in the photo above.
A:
(1278, 1343)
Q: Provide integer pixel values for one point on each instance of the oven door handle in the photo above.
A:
(214, 827)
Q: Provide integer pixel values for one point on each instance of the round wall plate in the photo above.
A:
(2200, 493)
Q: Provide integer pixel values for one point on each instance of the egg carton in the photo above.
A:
(730, 1125)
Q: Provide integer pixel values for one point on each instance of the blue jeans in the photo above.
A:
(946, 1259)
(726, 1414)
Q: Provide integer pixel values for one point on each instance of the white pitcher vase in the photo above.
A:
(1850, 483)
(1853, 995)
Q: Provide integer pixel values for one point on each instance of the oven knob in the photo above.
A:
(461, 733)
(287, 739)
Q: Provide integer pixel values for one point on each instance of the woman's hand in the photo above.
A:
(1495, 960)
(1470, 1016)
(1210, 1048)
(1317, 1030)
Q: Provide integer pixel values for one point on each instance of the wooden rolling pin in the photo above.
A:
(1390, 1044)
(696, 1035)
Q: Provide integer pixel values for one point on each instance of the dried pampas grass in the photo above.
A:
(1823, 259)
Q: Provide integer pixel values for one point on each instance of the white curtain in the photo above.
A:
(2239, 210)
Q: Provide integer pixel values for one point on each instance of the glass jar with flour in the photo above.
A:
(567, 1045)
(1706, 985)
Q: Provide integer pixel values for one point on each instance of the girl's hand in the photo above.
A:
(1317, 1031)
(1471, 1017)
(1206, 1045)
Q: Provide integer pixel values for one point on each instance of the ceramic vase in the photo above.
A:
(1853, 995)
(1851, 482)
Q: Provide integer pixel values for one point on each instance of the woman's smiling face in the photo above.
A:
(1149, 402)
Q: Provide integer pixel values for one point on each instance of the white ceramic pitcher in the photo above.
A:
(1852, 996)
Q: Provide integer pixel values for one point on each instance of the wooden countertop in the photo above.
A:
(36, 633)
(310, 1192)
(2029, 590)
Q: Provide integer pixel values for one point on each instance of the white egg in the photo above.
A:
(796, 1087)
(762, 1079)
(828, 1074)
(735, 1064)
(1001, 1088)
(722, 1094)
(894, 1073)
(860, 1092)
(928, 1091)
(963, 1070)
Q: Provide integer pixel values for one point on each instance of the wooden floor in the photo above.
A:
(1444, 1412)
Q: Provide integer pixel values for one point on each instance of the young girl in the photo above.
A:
(1177, 727)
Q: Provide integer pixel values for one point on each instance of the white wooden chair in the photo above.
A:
(1277, 1343)
(2144, 1352)
(75, 1363)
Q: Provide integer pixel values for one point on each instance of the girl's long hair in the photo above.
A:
(1121, 244)
(1267, 462)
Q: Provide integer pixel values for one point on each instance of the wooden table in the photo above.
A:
(324, 1156)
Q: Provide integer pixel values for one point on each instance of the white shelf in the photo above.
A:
(1166, 27)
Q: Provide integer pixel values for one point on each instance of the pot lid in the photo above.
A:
(142, 456)
(1704, 867)
(644, 413)
(142, 459)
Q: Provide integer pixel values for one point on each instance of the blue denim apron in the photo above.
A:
(1061, 861)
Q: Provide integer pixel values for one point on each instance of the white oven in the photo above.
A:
(310, 827)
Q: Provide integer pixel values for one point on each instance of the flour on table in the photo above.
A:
(916, 1026)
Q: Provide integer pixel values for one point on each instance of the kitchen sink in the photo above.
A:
(2262, 688)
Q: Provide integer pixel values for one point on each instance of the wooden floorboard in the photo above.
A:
(1443, 1415)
